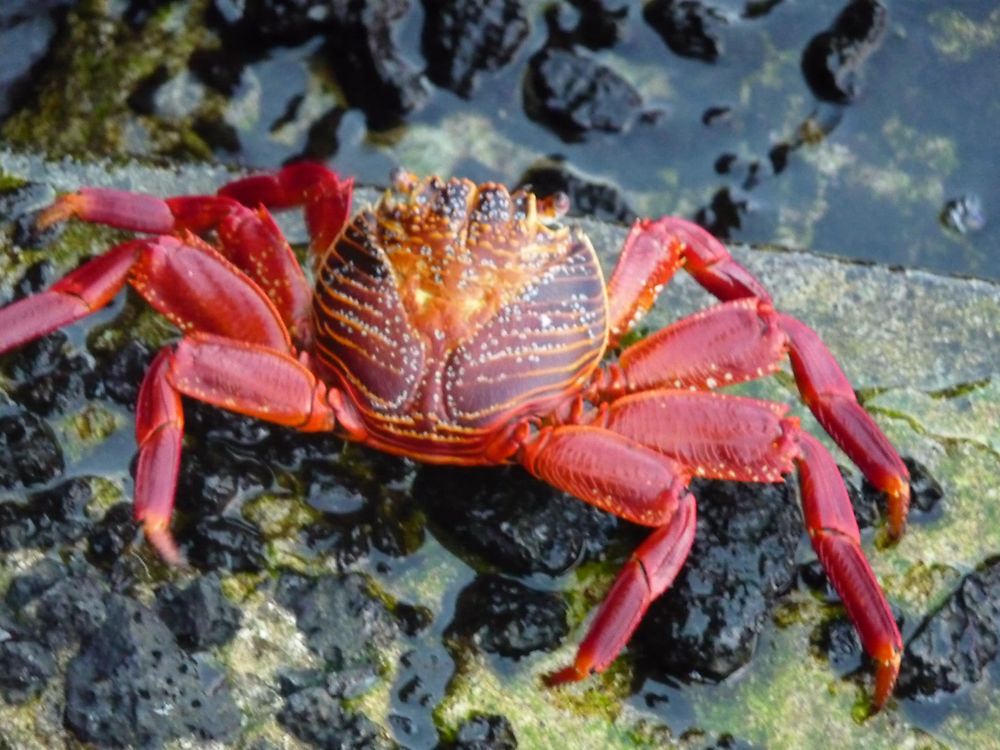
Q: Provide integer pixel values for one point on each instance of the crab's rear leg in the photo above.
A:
(655, 249)
(727, 437)
(325, 196)
(248, 237)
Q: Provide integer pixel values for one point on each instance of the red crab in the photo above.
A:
(460, 323)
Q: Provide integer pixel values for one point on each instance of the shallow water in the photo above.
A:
(901, 174)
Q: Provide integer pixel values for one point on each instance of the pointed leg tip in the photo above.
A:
(563, 676)
(885, 680)
(63, 209)
(159, 536)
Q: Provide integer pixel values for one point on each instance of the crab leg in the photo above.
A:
(649, 572)
(729, 437)
(326, 197)
(249, 238)
(78, 294)
(249, 379)
(638, 484)
(653, 246)
(835, 537)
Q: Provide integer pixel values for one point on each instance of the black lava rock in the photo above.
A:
(273, 22)
(485, 732)
(461, 38)
(573, 94)
(514, 521)
(130, 684)
(343, 621)
(46, 518)
(368, 64)
(951, 648)
(61, 605)
(742, 560)
(833, 60)
(595, 200)
(25, 669)
(596, 24)
(225, 543)
(29, 452)
(319, 719)
(688, 27)
(27, 28)
(199, 615)
(504, 617)
(44, 377)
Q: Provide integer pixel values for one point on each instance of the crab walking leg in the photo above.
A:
(248, 237)
(716, 435)
(607, 470)
(640, 485)
(820, 379)
(325, 196)
(248, 379)
(730, 437)
(159, 432)
(725, 344)
(76, 295)
(835, 537)
(829, 395)
(649, 572)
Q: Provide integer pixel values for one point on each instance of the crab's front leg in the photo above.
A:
(653, 252)
(728, 437)
(617, 474)
(249, 379)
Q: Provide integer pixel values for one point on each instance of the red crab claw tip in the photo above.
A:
(886, 672)
(159, 536)
(562, 676)
(64, 208)
(898, 508)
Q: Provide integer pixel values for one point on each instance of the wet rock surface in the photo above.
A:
(952, 648)
(130, 684)
(511, 519)
(462, 38)
(504, 617)
(573, 94)
(833, 61)
(689, 28)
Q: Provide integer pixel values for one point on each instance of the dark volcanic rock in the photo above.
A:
(29, 452)
(832, 62)
(743, 558)
(369, 65)
(344, 623)
(46, 518)
(27, 27)
(44, 377)
(688, 27)
(199, 615)
(225, 543)
(511, 519)
(131, 685)
(485, 732)
(595, 200)
(573, 94)
(25, 668)
(951, 648)
(504, 617)
(596, 24)
(319, 719)
(463, 37)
